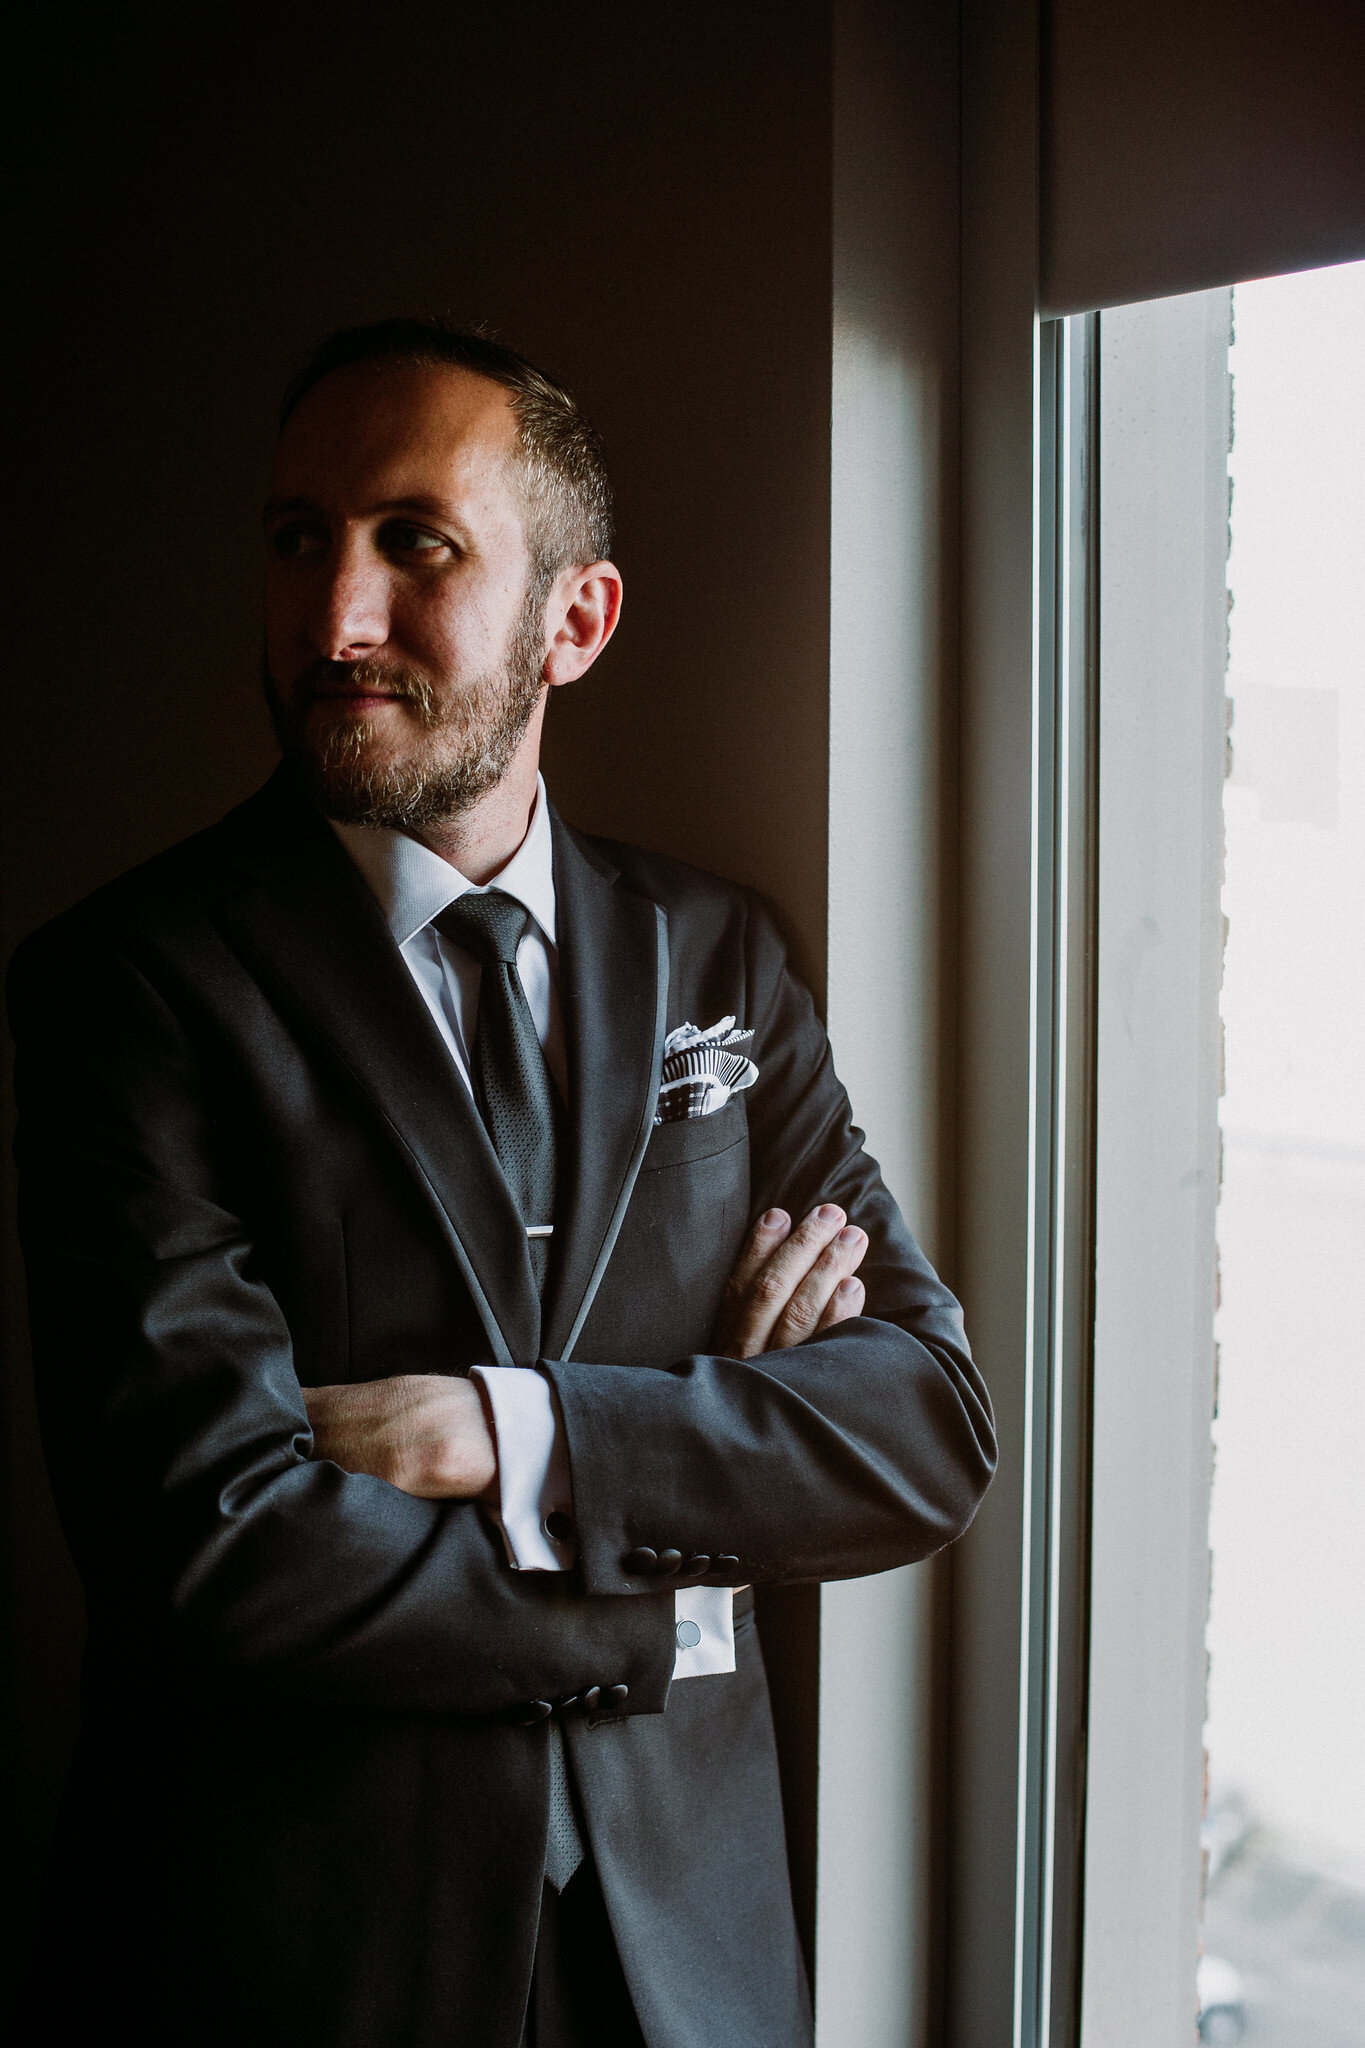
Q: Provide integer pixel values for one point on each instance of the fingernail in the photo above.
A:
(773, 1217)
(849, 1236)
(847, 1287)
(827, 1212)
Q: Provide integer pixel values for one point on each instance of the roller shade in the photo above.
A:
(1189, 143)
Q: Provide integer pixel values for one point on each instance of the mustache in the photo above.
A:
(323, 679)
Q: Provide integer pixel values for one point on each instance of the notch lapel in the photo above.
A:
(613, 948)
(315, 935)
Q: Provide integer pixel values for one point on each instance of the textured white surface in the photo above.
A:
(1287, 1617)
(1163, 497)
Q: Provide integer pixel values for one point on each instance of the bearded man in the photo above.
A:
(456, 1283)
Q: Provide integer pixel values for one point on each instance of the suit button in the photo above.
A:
(688, 1635)
(559, 1525)
(643, 1562)
(589, 1701)
(616, 1695)
(669, 1560)
(533, 1712)
(727, 1565)
(696, 1566)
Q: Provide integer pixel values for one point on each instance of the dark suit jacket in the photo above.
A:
(306, 1808)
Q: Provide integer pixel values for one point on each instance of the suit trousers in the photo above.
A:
(579, 1997)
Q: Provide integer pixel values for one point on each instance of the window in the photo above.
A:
(1285, 1908)
(1267, 1178)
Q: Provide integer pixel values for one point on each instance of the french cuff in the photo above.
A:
(704, 1627)
(534, 1506)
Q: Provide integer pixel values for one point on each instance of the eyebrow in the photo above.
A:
(419, 502)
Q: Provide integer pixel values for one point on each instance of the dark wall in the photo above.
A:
(639, 197)
(1189, 143)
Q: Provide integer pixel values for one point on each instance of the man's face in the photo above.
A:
(404, 645)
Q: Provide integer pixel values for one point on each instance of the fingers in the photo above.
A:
(811, 1298)
(768, 1233)
(846, 1301)
(785, 1278)
(734, 1335)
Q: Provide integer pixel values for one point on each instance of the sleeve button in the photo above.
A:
(616, 1695)
(533, 1712)
(642, 1562)
(727, 1565)
(669, 1560)
(696, 1566)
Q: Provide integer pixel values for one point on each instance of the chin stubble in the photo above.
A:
(465, 749)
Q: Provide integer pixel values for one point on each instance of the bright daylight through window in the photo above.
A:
(1285, 1833)
(1226, 1609)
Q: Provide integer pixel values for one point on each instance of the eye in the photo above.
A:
(297, 538)
(399, 537)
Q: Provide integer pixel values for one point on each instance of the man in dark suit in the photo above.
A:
(456, 1282)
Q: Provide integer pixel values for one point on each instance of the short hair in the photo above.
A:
(568, 491)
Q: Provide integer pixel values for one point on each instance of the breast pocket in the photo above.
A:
(696, 1138)
(679, 1240)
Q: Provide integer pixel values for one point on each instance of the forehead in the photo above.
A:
(378, 432)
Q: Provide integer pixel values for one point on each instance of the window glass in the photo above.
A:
(1284, 1926)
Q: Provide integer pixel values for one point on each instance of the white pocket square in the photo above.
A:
(702, 1070)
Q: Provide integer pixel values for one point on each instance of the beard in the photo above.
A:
(465, 740)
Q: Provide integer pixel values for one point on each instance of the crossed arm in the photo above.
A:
(182, 1449)
(431, 1435)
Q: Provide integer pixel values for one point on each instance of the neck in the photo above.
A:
(482, 840)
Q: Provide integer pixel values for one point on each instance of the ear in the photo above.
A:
(580, 617)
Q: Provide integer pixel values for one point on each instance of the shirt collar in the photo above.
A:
(413, 884)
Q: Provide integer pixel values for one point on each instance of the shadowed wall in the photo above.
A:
(637, 197)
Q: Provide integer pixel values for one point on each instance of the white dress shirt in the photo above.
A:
(414, 885)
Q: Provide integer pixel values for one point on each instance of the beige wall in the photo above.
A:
(891, 949)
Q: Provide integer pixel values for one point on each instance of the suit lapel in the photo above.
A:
(613, 948)
(314, 933)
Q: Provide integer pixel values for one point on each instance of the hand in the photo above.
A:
(787, 1284)
(426, 1434)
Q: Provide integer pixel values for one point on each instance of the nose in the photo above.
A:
(350, 613)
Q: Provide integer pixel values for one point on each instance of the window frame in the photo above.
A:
(1072, 1594)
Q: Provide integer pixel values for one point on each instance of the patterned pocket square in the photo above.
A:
(702, 1070)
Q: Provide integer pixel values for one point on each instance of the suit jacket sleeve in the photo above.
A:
(864, 1448)
(176, 1431)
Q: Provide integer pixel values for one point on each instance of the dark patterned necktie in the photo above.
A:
(511, 1081)
(516, 1101)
